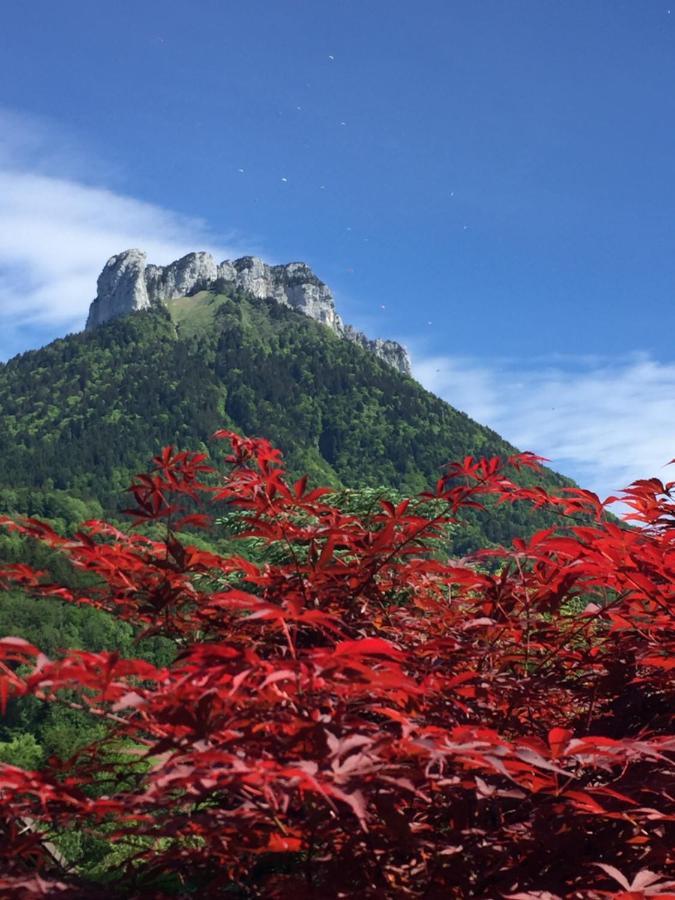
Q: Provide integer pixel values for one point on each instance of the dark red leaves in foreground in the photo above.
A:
(357, 717)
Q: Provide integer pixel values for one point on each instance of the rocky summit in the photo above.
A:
(127, 283)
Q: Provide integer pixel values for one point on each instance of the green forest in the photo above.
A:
(81, 416)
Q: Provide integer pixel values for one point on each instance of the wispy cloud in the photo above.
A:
(603, 422)
(56, 232)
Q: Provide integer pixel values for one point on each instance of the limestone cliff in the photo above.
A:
(127, 284)
(121, 288)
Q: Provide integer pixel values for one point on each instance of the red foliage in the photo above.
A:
(361, 719)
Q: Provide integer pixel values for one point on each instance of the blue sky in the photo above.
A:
(500, 176)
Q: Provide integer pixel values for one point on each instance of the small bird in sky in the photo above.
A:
(284, 179)
(241, 171)
(343, 123)
(330, 57)
(382, 306)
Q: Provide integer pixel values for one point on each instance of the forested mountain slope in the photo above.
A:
(85, 413)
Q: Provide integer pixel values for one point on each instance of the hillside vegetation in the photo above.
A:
(85, 413)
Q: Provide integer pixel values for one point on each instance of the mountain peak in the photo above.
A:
(127, 283)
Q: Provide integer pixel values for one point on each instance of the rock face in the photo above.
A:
(194, 272)
(393, 353)
(127, 284)
(120, 288)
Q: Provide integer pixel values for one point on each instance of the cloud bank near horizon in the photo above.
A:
(601, 421)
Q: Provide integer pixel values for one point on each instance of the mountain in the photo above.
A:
(127, 284)
(82, 415)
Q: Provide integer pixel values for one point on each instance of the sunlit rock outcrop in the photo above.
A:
(127, 284)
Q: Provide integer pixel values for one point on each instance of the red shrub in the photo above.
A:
(358, 718)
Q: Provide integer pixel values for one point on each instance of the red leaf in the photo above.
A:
(558, 738)
(367, 647)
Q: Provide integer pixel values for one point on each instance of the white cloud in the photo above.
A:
(603, 422)
(57, 231)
